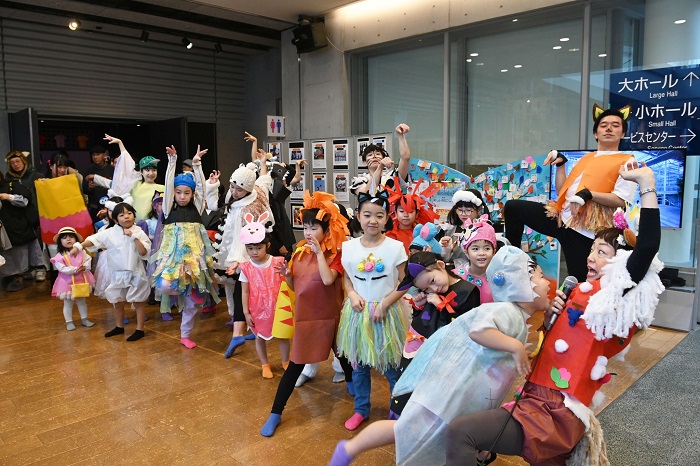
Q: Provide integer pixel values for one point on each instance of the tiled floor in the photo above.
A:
(78, 398)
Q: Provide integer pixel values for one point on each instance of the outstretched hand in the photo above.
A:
(172, 153)
(637, 172)
(249, 137)
(198, 156)
(214, 176)
(552, 158)
(111, 139)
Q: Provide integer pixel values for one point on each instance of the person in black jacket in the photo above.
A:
(99, 166)
(20, 169)
(15, 199)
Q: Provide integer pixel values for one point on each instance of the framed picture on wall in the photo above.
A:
(341, 186)
(296, 151)
(297, 224)
(319, 180)
(275, 148)
(361, 144)
(318, 154)
(298, 189)
(340, 153)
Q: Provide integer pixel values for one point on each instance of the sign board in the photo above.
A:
(275, 126)
(665, 107)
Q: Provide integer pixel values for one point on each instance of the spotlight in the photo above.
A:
(186, 42)
(217, 47)
(144, 36)
(73, 24)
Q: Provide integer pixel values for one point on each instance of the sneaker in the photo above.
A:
(40, 275)
(29, 275)
(15, 284)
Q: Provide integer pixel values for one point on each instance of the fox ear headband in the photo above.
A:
(598, 110)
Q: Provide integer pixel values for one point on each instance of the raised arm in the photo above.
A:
(200, 192)
(649, 237)
(254, 147)
(169, 194)
(404, 151)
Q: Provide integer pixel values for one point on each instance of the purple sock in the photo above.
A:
(340, 456)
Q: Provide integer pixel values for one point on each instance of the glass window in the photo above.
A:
(407, 87)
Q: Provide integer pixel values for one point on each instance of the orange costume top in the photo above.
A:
(405, 236)
(597, 174)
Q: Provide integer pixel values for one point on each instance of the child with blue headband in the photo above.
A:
(184, 259)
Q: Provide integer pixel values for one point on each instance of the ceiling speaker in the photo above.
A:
(309, 37)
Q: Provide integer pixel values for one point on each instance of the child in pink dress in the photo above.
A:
(479, 244)
(71, 270)
(260, 284)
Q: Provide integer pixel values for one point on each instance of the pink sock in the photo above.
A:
(354, 421)
(187, 343)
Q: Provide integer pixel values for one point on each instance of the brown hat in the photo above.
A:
(67, 230)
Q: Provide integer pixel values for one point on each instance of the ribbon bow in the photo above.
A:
(410, 336)
(447, 302)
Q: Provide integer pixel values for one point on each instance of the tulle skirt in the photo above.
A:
(183, 264)
(375, 344)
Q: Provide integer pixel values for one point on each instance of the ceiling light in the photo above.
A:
(517, 66)
(73, 24)
(564, 39)
(186, 42)
(217, 48)
(480, 64)
(473, 54)
(504, 71)
(144, 36)
(469, 60)
(602, 55)
(528, 101)
(556, 47)
(679, 21)
(573, 50)
(515, 20)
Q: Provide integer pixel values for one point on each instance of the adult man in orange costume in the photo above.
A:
(588, 196)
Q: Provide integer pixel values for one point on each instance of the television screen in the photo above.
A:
(669, 168)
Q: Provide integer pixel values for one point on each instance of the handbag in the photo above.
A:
(79, 290)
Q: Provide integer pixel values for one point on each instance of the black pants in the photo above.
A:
(289, 379)
(574, 245)
(467, 435)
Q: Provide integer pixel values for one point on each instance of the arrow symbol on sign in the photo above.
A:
(691, 135)
(691, 75)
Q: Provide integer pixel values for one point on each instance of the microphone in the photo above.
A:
(566, 287)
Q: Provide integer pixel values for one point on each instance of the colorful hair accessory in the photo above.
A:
(598, 110)
(253, 232)
(466, 196)
(416, 264)
(480, 229)
(381, 199)
(619, 219)
(185, 180)
(328, 211)
(414, 200)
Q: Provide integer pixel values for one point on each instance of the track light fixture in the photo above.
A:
(218, 48)
(144, 36)
(186, 42)
(73, 24)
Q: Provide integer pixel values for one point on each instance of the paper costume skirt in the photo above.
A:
(184, 259)
(375, 344)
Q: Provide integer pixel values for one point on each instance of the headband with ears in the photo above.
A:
(598, 110)
(381, 198)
